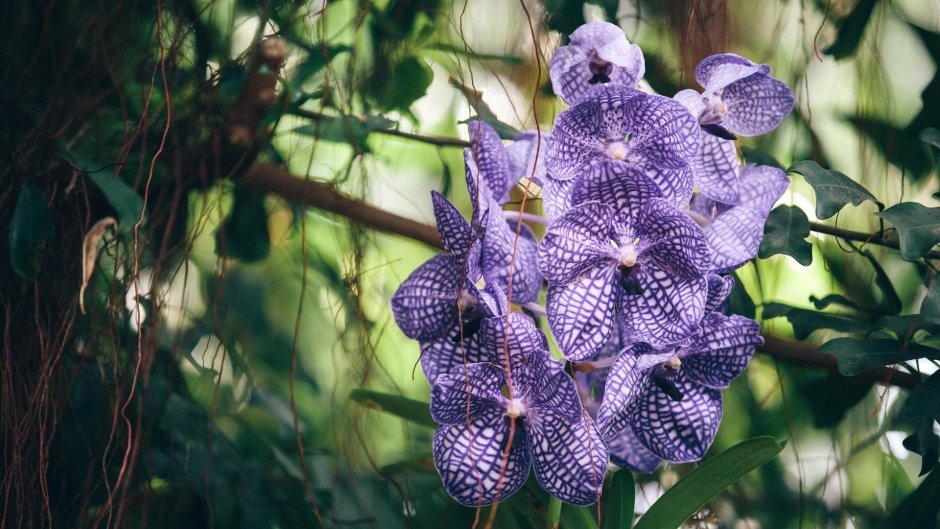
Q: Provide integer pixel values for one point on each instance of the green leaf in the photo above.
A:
(899, 146)
(475, 99)
(833, 189)
(833, 299)
(759, 157)
(740, 302)
(851, 28)
(924, 400)
(830, 397)
(411, 410)
(925, 443)
(890, 302)
(618, 501)
(577, 517)
(121, 197)
(806, 321)
(30, 226)
(317, 59)
(930, 307)
(930, 136)
(918, 227)
(855, 355)
(919, 509)
(346, 129)
(244, 235)
(410, 81)
(702, 484)
(785, 233)
(901, 326)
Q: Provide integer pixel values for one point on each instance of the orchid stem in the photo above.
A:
(526, 217)
(534, 307)
(553, 513)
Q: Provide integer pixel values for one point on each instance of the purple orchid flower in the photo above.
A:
(598, 53)
(508, 249)
(671, 397)
(734, 232)
(622, 252)
(527, 155)
(740, 97)
(487, 442)
(649, 134)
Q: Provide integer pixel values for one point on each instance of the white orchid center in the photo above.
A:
(673, 364)
(515, 409)
(466, 300)
(628, 255)
(618, 150)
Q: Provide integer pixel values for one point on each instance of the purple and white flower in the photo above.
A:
(598, 53)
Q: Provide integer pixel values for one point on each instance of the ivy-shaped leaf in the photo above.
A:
(785, 232)
(930, 307)
(924, 400)
(851, 28)
(833, 189)
(925, 443)
(856, 355)
(346, 129)
(918, 227)
(890, 302)
(759, 157)
(411, 410)
(30, 226)
(806, 321)
(410, 81)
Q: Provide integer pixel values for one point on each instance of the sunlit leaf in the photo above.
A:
(411, 410)
(410, 81)
(806, 321)
(856, 355)
(30, 226)
(785, 233)
(918, 227)
(833, 189)
(699, 486)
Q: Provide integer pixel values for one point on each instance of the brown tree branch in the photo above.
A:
(275, 179)
(869, 238)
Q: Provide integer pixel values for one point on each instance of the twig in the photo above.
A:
(870, 238)
(440, 141)
(275, 179)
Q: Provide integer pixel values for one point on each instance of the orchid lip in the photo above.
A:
(516, 408)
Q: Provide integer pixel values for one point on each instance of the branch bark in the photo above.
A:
(859, 236)
(275, 179)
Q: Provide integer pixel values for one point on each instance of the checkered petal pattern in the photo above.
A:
(425, 305)
(692, 100)
(723, 350)
(671, 241)
(715, 169)
(455, 231)
(467, 391)
(718, 71)
(503, 254)
(527, 156)
(450, 351)
(577, 243)
(491, 159)
(480, 196)
(675, 183)
(570, 67)
(581, 314)
(666, 310)
(556, 393)
(626, 451)
(556, 197)
(470, 458)
(619, 185)
(734, 237)
(756, 105)
(625, 381)
(677, 431)
(761, 186)
(662, 130)
(578, 138)
(719, 288)
(569, 457)
(516, 337)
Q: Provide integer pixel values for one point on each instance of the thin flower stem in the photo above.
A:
(553, 513)
(526, 217)
(534, 307)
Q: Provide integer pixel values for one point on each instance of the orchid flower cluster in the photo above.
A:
(647, 207)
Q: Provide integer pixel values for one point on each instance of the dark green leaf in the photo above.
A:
(577, 517)
(346, 129)
(918, 227)
(410, 81)
(833, 189)
(930, 308)
(890, 302)
(618, 500)
(411, 410)
(125, 201)
(831, 396)
(856, 355)
(806, 321)
(475, 99)
(785, 233)
(902, 326)
(930, 136)
(740, 302)
(759, 157)
(899, 146)
(925, 443)
(924, 400)
(851, 28)
(702, 484)
(833, 299)
(30, 226)
(316, 60)
(919, 509)
(244, 234)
